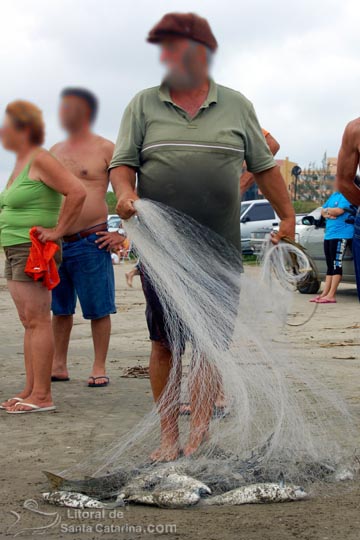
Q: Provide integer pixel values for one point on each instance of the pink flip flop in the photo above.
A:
(316, 299)
(325, 301)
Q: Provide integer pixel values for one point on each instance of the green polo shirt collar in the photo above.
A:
(164, 94)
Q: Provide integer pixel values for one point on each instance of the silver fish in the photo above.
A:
(166, 498)
(164, 479)
(258, 493)
(99, 488)
(77, 500)
(183, 481)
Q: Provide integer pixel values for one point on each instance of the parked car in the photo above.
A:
(255, 215)
(114, 222)
(309, 233)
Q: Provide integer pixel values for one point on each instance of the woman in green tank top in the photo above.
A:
(32, 198)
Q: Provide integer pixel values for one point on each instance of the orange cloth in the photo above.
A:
(126, 244)
(41, 263)
(265, 133)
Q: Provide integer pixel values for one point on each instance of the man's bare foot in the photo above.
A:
(167, 451)
(98, 377)
(129, 276)
(60, 372)
(60, 376)
(195, 441)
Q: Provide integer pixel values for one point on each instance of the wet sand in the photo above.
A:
(88, 418)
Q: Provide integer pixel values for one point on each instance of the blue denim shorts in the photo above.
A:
(86, 273)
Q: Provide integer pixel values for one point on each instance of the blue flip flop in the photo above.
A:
(94, 385)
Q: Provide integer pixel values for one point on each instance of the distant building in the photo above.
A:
(332, 165)
(286, 166)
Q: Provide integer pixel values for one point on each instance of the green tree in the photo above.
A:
(111, 202)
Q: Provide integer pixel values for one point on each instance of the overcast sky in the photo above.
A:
(298, 62)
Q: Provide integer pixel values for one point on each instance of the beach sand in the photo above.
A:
(86, 419)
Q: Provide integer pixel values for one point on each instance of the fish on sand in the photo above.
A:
(103, 487)
(166, 498)
(258, 493)
(77, 500)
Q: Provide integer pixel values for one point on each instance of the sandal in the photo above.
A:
(33, 408)
(17, 399)
(95, 385)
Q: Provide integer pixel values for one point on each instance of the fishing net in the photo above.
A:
(225, 330)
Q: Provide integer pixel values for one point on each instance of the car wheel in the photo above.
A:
(310, 285)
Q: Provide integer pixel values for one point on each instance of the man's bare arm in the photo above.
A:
(247, 179)
(273, 186)
(108, 147)
(123, 181)
(348, 162)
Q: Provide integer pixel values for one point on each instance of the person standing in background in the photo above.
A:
(86, 271)
(338, 235)
(32, 198)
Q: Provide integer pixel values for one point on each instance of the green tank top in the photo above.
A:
(24, 204)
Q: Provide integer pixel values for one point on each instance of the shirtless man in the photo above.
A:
(86, 271)
(348, 183)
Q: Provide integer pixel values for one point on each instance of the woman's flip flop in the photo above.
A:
(17, 399)
(33, 408)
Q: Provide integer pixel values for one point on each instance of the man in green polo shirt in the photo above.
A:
(186, 142)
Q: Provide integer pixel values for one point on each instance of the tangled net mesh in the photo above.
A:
(279, 418)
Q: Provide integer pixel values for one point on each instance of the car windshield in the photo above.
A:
(244, 207)
(114, 222)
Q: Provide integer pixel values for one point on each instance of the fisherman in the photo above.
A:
(349, 184)
(186, 141)
(86, 271)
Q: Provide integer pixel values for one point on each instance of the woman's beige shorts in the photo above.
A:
(16, 258)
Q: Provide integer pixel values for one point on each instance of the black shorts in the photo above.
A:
(156, 318)
(334, 253)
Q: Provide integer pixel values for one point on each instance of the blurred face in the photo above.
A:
(12, 137)
(185, 62)
(74, 113)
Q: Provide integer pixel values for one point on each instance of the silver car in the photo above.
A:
(310, 230)
(255, 215)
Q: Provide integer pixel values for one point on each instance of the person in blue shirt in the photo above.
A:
(338, 235)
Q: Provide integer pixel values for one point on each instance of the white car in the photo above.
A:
(113, 222)
(255, 215)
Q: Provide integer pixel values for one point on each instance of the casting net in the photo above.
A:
(277, 418)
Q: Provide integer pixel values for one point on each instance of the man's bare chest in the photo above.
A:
(85, 166)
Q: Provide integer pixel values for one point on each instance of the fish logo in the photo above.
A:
(32, 506)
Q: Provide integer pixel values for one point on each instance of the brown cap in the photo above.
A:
(188, 25)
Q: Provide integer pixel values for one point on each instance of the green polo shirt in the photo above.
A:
(193, 164)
